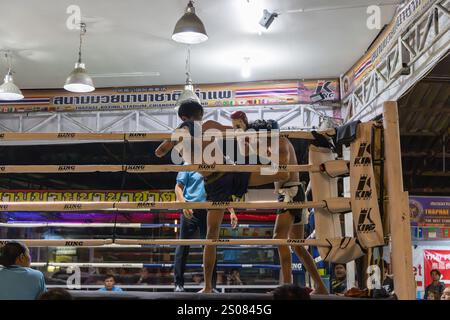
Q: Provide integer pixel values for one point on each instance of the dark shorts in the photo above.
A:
(224, 186)
(300, 215)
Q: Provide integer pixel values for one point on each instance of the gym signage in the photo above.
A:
(430, 211)
(212, 95)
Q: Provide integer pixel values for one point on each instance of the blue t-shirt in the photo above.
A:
(194, 186)
(19, 283)
(115, 289)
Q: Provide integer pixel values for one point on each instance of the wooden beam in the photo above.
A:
(424, 155)
(398, 208)
(430, 190)
(427, 173)
(406, 133)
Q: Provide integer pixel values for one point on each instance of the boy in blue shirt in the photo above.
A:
(110, 284)
(17, 280)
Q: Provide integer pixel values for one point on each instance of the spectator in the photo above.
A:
(110, 284)
(145, 277)
(234, 278)
(291, 292)
(197, 279)
(446, 294)
(432, 295)
(17, 280)
(436, 286)
(339, 280)
(56, 294)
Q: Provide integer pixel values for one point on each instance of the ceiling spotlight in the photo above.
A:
(79, 80)
(267, 18)
(8, 90)
(189, 29)
(188, 93)
(246, 71)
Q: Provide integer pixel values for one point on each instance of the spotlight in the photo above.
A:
(267, 18)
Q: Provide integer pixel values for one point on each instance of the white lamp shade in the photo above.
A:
(9, 91)
(78, 80)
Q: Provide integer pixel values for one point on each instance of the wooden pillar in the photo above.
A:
(348, 222)
(398, 208)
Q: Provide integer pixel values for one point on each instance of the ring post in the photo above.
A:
(398, 209)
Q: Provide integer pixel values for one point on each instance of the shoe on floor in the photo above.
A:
(178, 288)
(215, 290)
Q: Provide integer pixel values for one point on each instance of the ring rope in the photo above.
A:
(154, 168)
(137, 136)
(147, 265)
(157, 242)
(71, 206)
(118, 225)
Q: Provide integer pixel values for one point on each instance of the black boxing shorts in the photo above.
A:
(226, 186)
(300, 215)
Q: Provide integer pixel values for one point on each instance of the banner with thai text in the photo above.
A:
(80, 195)
(152, 97)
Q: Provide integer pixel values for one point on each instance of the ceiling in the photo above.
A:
(135, 36)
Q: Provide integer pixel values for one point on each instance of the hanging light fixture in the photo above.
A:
(188, 93)
(8, 90)
(190, 29)
(79, 80)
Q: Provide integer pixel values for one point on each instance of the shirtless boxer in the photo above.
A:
(220, 186)
(288, 222)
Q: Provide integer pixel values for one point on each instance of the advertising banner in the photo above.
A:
(430, 211)
(418, 268)
(437, 259)
(156, 97)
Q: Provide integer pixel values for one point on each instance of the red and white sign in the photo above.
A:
(437, 259)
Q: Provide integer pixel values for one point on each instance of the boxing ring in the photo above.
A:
(372, 228)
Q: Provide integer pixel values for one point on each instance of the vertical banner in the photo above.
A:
(328, 226)
(418, 271)
(440, 260)
(366, 213)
